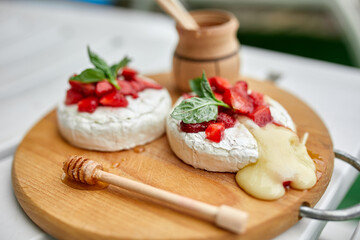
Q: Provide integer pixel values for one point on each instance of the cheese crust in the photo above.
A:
(237, 149)
(115, 129)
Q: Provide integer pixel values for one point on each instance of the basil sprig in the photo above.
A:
(199, 109)
(101, 71)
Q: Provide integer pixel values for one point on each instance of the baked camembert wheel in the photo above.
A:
(112, 108)
(224, 128)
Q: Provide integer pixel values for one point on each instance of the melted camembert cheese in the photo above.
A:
(281, 158)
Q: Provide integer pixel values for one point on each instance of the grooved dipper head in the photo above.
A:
(81, 169)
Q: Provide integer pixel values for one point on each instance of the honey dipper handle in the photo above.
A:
(224, 216)
(179, 13)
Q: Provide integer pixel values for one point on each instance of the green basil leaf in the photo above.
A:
(98, 62)
(113, 81)
(206, 88)
(90, 75)
(76, 78)
(195, 85)
(116, 67)
(196, 110)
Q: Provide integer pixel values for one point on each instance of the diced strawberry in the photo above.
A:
(239, 102)
(286, 184)
(219, 84)
(128, 73)
(261, 115)
(214, 132)
(277, 124)
(88, 104)
(148, 84)
(228, 120)
(187, 96)
(88, 89)
(75, 85)
(73, 96)
(241, 87)
(137, 86)
(194, 127)
(257, 98)
(114, 99)
(103, 87)
(280, 125)
(218, 96)
(126, 88)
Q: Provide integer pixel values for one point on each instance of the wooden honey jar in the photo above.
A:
(212, 48)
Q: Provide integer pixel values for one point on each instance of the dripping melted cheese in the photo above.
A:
(281, 158)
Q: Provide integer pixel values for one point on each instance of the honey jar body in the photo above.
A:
(213, 48)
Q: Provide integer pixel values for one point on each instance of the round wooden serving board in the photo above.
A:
(114, 213)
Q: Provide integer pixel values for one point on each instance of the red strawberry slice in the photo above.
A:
(228, 120)
(137, 86)
(148, 84)
(128, 73)
(241, 87)
(257, 98)
(219, 84)
(114, 99)
(261, 115)
(104, 87)
(88, 104)
(218, 96)
(214, 132)
(238, 101)
(126, 88)
(73, 96)
(194, 127)
(286, 184)
(88, 89)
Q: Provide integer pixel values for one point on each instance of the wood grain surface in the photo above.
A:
(113, 213)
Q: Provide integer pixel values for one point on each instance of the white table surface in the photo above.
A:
(43, 43)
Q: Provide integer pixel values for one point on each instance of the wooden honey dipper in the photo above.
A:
(87, 171)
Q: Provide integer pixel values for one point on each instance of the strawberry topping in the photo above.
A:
(218, 96)
(152, 85)
(128, 73)
(105, 93)
(257, 98)
(238, 100)
(103, 88)
(137, 85)
(261, 115)
(88, 104)
(73, 96)
(286, 184)
(88, 89)
(114, 99)
(219, 84)
(214, 132)
(194, 127)
(228, 120)
(241, 87)
(126, 88)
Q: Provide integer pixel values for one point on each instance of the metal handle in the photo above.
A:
(335, 215)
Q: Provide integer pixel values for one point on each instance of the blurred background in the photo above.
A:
(327, 30)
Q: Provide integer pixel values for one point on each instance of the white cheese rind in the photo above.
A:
(279, 114)
(114, 129)
(237, 149)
